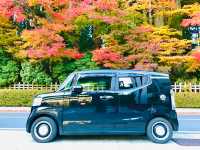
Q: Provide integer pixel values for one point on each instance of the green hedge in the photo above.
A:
(24, 98)
(18, 97)
(187, 100)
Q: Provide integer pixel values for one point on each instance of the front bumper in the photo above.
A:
(30, 120)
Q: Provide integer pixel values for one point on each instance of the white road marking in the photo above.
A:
(188, 132)
(189, 119)
(12, 129)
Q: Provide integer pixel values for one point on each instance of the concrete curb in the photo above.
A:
(15, 109)
(180, 111)
(188, 111)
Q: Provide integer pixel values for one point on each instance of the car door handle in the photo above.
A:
(106, 97)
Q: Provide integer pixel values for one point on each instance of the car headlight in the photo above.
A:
(37, 101)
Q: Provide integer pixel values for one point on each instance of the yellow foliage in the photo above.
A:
(9, 40)
(174, 60)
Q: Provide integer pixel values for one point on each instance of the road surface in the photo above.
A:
(14, 137)
(17, 121)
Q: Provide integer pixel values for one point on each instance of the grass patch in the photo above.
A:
(187, 100)
(18, 97)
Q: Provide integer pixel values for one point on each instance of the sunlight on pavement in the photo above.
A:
(20, 140)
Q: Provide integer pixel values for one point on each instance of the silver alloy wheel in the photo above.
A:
(160, 130)
(43, 130)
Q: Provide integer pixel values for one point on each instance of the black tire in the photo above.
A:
(44, 129)
(159, 130)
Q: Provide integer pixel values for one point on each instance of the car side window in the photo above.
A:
(67, 84)
(100, 83)
(126, 83)
(153, 88)
(129, 82)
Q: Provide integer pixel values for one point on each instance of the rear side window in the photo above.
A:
(126, 83)
(132, 82)
(153, 88)
(164, 84)
(95, 83)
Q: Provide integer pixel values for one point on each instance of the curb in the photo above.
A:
(15, 109)
(188, 111)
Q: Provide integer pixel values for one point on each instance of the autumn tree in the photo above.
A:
(145, 48)
(154, 10)
(193, 21)
(60, 36)
(9, 41)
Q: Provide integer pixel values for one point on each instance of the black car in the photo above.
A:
(106, 102)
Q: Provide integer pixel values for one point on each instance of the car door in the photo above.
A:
(132, 91)
(94, 109)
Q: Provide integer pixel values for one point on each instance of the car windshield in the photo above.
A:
(67, 83)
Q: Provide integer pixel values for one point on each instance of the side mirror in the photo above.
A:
(77, 89)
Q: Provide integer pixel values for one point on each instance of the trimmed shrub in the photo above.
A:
(18, 97)
(187, 100)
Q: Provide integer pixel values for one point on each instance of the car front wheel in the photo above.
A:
(44, 130)
(159, 130)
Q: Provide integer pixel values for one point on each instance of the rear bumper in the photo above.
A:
(174, 120)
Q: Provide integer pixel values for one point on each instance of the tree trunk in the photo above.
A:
(178, 3)
(159, 20)
(150, 12)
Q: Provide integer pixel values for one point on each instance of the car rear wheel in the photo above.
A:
(159, 130)
(44, 130)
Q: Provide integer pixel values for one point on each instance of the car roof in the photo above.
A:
(111, 71)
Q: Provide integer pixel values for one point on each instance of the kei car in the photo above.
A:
(106, 102)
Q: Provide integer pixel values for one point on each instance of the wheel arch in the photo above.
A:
(45, 115)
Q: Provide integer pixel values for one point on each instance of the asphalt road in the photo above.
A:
(12, 130)
(17, 121)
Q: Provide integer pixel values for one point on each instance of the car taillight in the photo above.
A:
(173, 99)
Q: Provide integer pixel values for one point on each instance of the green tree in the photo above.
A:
(61, 70)
(187, 2)
(9, 44)
(34, 73)
(9, 69)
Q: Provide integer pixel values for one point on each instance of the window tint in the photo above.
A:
(138, 81)
(132, 82)
(153, 88)
(141, 80)
(164, 84)
(95, 83)
(125, 83)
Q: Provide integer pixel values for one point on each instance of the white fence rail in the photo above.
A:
(23, 86)
(186, 87)
(177, 87)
